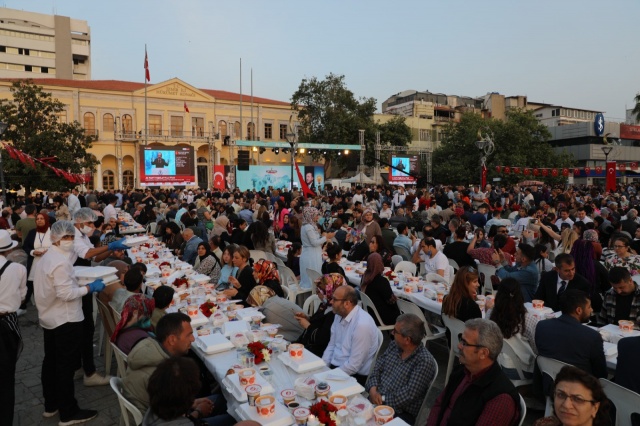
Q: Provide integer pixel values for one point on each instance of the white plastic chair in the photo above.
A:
(402, 251)
(523, 410)
(121, 360)
(454, 265)
(405, 266)
(313, 276)
(375, 357)
(488, 271)
(626, 401)
(517, 364)
(407, 307)
(395, 259)
(368, 304)
(109, 325)
(311, 305)
(423, 414)
(432, 277)
(450, 274)
(126, 407)
(550, 367)
(455, 327)
(152, 227)
(257, 255)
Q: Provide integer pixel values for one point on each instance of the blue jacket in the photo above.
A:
(191, 249)
(528, 278)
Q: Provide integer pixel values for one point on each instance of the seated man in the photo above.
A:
(403, 240)
(354, 336)
(133, 283)
(478, 392)
(567, 340)
(563, 278)
(174, 336)
(434, 260)
(622, 300)
(191, 241)
(402, 375)
(525, 271)
(627, 371)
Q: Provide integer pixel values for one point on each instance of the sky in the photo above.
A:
(574, 53)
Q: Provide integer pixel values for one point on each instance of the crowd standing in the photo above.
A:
(575, 248)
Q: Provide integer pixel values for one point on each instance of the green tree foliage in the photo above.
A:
(34, 128)
(520, 141)
(329, 113)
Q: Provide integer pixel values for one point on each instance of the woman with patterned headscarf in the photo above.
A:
(276, 310)
(312, 241)
(318, 327)
(377, 287)
(368, 226)
(135, 323)
(266, 274)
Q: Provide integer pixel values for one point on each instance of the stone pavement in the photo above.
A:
(30, 403)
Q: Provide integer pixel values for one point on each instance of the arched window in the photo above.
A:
(108, 180)
(89, 124)
(222, 128)
(127, 179)
(251, 131)
(202, 160)
(127, 124)
(236, 130)
(107, 123)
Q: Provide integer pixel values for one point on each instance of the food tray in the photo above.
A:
(93, 272)
(308, 362)
(198, 320)
(136, 241)
(232, 327)
(610, 349)
(614, 329)
(397, 421)
(213, 343)
(232, 384)
(281, 417)
(347, 387)
(245, 314)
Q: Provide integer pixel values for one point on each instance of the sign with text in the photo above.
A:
(402, 164)
(165, 165)
(629, 132)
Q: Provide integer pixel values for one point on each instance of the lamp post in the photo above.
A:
(606, 150)
(291, 138)
(3, 128)
(486, 146)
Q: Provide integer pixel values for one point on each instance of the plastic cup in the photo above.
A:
(383, 414)
(440, 296)
(301, 415)
(247, 377)
(296, 350)
(266, 405)
(537, 304)
(293, 406)
(288, 395)
(253, 392)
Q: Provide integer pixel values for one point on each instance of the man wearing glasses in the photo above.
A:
(354, 336)
(478, 392)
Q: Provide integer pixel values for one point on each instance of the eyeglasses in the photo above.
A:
(467, 344)
(576, 400)
(394, 332)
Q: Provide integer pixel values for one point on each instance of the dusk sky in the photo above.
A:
(574, 53)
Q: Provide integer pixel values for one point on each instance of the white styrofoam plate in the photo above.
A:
(232, 384)
(341, 383)
(281, 417)
(308, 362)
(213, 343)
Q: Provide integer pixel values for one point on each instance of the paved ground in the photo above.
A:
(29, 401)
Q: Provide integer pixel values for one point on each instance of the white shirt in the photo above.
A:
(41, 242)
(385, 213)
(13, 286)
(74, 204)
(559, 222)
(109, 212)
(357, 197)
(433, 264)
(81, 245)
(57, 293)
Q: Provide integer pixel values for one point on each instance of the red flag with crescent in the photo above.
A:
(587, 170)
(633, 165)
(536, 172)
(576, 172)
(598, 169)
(498, 169)
(565, 172)
(526, 172)
(611, 175)
(507, 169)
(516, 170)
(554, 172)
(545, 172)
(622, 167)
(303, 184)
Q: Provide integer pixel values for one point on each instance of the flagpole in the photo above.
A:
(241, 124)
(146, 126)
(253, 125)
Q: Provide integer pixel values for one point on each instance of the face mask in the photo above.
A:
(86, 230)
(66, 245)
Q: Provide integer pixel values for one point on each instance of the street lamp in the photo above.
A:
(291, 138)
(606, 150)
(3, 128)
(486, 146)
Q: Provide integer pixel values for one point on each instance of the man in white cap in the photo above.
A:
(13, 282)
(59, 301)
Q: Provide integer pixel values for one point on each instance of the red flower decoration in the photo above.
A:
(164, 264)
(322, 410)
(207, 308)
(256, 349)
(180, 281)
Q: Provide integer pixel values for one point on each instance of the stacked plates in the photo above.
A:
(88, 274)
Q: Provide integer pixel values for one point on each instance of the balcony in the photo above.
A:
(196, 135)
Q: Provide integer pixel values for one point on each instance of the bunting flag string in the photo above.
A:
(25, 158)
(556, 171)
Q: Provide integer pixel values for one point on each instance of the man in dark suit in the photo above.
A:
(568, 340)
(627, 371)
(554, 283)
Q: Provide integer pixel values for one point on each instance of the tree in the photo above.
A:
(34, 127)
(329, 113)
(520, 140)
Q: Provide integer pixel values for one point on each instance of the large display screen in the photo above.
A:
(278, 177)
(402, 165)
(163, 165)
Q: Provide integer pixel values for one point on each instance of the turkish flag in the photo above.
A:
(516, 170)
(554, 172)
(622, 167)
(526, 172)
(186, 108)
(598, 169)
(611, 175)
(536, 172)
(507, 169)
(633, 165)
(565, 172)
(146, 66)
(576, 172)
(303, 184)
(587, 170)
(498, 169)
(545, 172)
(484, 176)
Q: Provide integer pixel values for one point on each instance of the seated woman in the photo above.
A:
(317, 328)
(517, 326)
(460, 303)
(206, 263)
(578, 399)
(163, 297)
(220, 229)
(276, 310)
(377, 245)
(243, 282)
(293, 258)
(266, 273)
(332, 265)
(262, 239)
(377, 287)
(172, 236)
(228, 269)
(135, 323)
(623, 256)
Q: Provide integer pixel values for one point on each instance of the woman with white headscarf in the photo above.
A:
(312, 242)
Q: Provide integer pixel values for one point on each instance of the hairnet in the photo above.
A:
(60, 229)
(85, 214)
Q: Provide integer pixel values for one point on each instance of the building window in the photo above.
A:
(177, 124)
(197, 127)
(107, 123)
(283, 132)
(222, 128)
(108, 180)
(236, 130)
(425, 135)
(155, 124)
(127, 124)
(268, 131)
(127, 179)
(251, 131)
(89, 124)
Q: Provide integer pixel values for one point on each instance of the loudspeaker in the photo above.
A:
(243, 160)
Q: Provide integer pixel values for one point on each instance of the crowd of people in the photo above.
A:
(575, 248)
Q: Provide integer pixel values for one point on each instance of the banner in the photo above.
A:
(611, 175)
(224, 178)
(403, 164)
(278, 177)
